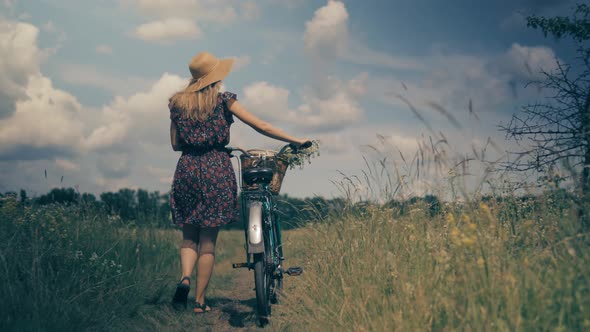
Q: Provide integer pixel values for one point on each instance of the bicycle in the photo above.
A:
(262, 173)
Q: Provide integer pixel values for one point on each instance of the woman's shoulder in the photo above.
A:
(225, 96)
(175, 111)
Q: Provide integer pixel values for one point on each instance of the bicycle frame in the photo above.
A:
(260, 220)
(262, 231)
(257, 205)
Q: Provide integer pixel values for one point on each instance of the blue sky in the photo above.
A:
(85, 84)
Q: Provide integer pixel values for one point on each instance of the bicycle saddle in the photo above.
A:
(258, 175)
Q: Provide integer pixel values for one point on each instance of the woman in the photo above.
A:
(204, 189)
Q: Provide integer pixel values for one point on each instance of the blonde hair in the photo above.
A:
(197, 105)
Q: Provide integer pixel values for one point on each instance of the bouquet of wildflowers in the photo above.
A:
(300, 156)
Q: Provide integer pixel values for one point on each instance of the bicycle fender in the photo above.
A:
(255, 242)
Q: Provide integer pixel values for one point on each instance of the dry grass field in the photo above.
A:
(507, 265)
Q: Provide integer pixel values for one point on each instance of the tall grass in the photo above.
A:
(510, 264)
(74, 269)
(506, 265)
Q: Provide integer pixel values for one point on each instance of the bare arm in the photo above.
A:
(174, 137)
(260, 126)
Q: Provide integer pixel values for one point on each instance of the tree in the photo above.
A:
(558, 129)
(59, 196)
(88, 198)
(23, 196)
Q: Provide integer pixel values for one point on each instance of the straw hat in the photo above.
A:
(207, 69)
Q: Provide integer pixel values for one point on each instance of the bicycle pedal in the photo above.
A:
(294, 271)
(239, 265)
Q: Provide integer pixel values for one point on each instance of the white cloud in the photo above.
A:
(140, 117)
(343, 152)
(358, 86)
(19, 58)
(332, 113)
(525, 63)
(31, 108)
(288, 3)
(326, 35)
(492, 86)
(361, 54)
(266, 100)
(107, 135)
(52, 29)
(43, 122)
(131, 128)
(172, 17)
(221, 11)
(167, 30)
(113, 184)
(250, 10)
(328, 103)
(24, 16)
(114, 165)
(100, 78)
(321, 110)
(241, 62)
(164, 175)
(34, 124)
(49, 27)
(67, 165)
(327, 38)
(131, 131)
(126, 125)
(335, 143)
(104, 49)
(452, 80)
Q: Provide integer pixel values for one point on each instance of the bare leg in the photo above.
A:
(207, 239)
(188, 250)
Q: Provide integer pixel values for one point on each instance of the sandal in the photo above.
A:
(203, 307)
(180, 298)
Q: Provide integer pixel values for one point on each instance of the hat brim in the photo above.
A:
(219, 73)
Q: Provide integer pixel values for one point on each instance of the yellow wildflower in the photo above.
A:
(480, 261)
(450, 219)
(456, 236)
(510, 279)
(468, 241)
(466, 218)
(486, 210)
(484, 207)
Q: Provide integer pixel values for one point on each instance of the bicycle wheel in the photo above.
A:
(262, 281)
(277, 281)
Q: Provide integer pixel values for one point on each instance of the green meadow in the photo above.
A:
(508, 264)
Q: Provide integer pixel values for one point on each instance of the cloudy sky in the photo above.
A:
(84, 84)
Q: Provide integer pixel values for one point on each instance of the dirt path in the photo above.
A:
(231, 295)
(234, 308)
(232, 299)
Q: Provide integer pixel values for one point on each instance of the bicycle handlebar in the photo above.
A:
(232, 149)
(294, 147)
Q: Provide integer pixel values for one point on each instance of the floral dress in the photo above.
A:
(204, 189)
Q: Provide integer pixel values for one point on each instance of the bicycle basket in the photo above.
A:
(265, 158)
